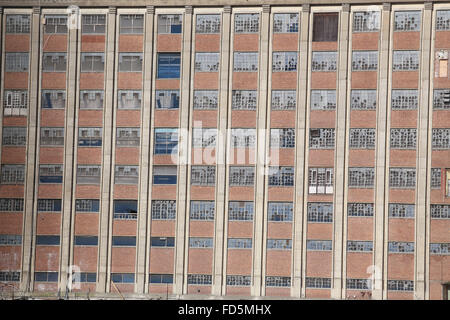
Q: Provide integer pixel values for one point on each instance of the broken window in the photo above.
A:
(55, 24)
(164, 209)
(125, 209)
(442, 20)
(206, 99)
(245, 61)
(359, 284)
(362, 138)
(17, 23)
(405, 99)
(359, 246)
(203, 175)
(243, 137)
(53, 99)
(239, 280)
(129, 99)
(52, 137)
(15, 103)
(441, 99)
(126, 175)
(320, 180)
(11, 205)
(90, 137)
(242, 176)
(279, 244)
(285, 22)
(324, 61)
(200, 242)
(10, 240)
(54, 62)
(441, 138)
(319, 283)
(240, 210)
(169, 23)
(199, 279)
(407, 21)
(284, 99)
(131, 23)
(363, 99)
(440, 248)
(321, 138)
(405, 60)
(435, 178)
(360, 209)
(361, 177)
(130, 62)
(440, 211)
(167, 99)
(91, 99)
(14, 136)
(400, 247)
(16, 61)
(49, 205)
(204, 137)
(51, 173)
(88, 174)
(166, 140)
(207, 61)
(281, 176)
(87, 205)
(202, 210)
(128, 137)
(365, 60)
(320, 212)
(9, 276)
(366, 21)
(400, 210)
(323, 99)
(93, 23)
(319, 245)
(13, 174)
(402, 177)
(403, 138)
(325, 26)
(280, 211)
(284, 61)
(164, 174)
(92, 61)
(282, 138)
(246, 22)
(278, 281)
(207, 23)
(244, 100)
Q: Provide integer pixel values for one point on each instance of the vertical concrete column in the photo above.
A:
(183, 152)
(300, 145)
(261, 122)
(144, 216)
(108, 110)
(66, 221)
(381, 192)
(221, 155)
(30, 182)
(423, 173)
(340, 163)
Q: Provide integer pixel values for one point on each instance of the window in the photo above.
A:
(319, 245)
(131, 23)
(441, 138)
(320, 212)
(240, 211)
(51, 173)
(361, 177)
(11, 205)
(362, 138)
(93, 23)
(169, 23)
(321, 180)
(160, 278)
(238, 280)
(402, 177)
(46, 276)
(359, 284)
(280, 211)
(406, 60)
(360, 209)
(168, 242)
(283, 100)
(245, 62)
(282, 138)
(207, 23)
(86, 240)
(363, 99)
(13, 174)
(166, 141)
(87, 205)
(284, 61)
(200, 242)
(359, 246)
(318, 283)
(281, 176)
(365, 60)
(165, 175)
(243, 137)
(167, 99)
(17, 23)
(15, 103)
(242, 176)
(440, 248)
(14, 136)
(366, 21)
(92, 61)
(128, 137)
(49, 205)
(122, 277)
(52, 137)
(204, 137)
(399, 210)
(16, 61)
(405, 99)
(125, 209)
(203, 175)
(442, 20)
(91, 99)
(53, 99)
(89, 137)
(403, 138)
(47, 240)
(88, 174)
(205, 99)
(277, 281)
(321, 138)
(325, 27)
(169, 65)
(54, 62)
(285, 22)
(400, 247)
(440, 211)
(239, 243)
(407, 21)
(441, 99)
(202, 210)
(129, 99)
(324, 61)
(207, 62)
(9, 276)
(435, 178)
(126, 175)
(89, 277)
(130, 62)
(246, 22)
(164, 209)
(323, 99)
(55, 24)
(123, 241)
(244, 100)
(199, 279)
(10, 240)
(279, 244)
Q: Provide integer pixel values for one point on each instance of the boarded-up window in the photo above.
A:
(325, 26)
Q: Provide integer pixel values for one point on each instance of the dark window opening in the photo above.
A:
(325, 27)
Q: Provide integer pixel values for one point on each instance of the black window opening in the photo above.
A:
(325, 26)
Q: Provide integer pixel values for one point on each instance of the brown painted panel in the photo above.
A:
(322, 119)
(11, 191)
(404, 118)
(92, 80)
(318, 264)
(85, 258)
(358, 264)
(285, 42)
(86, 223)
(92, 43)
(207, 42)
(239, 261)
(242, 193)
(17, 43)
(123, 259)
(17, 80)
(90, 118)
(48, 223)
(162, 260)
(15, 121)
(282, 157)
(167, 84)
(50, 191)
(279, 230)
(282, 118)
(124, 191)
(124, 227)
(127, 156)
(47, 258)
(365, 41)
(200, 260)
(129, 80)
(401, 229)
(361, 158)
(245, 80)
(207, 118)
(400, 266)
(168, 192)
(324, 46)
(364, 80)
(439, 230)
(163, 228)
(405, 79)
(201, 228)
(402, 195)
(281, 193)
(131, 43)
(243, 119)
(323, 80)
(360, 228)
(278, 292)
(284, 80)
(406, 158)
(441, 118)
(238, 291)
(363, 118)
(408, 40)
(11, 257)
(206, 80)
(53, 80)
(360, 195)
(321, 158)
(323, 231)
(168, 43)
(240, 229)
(53, 155)
(54, 43)
(279, 262)
(166, 118)
(87, 192)
(13, 155)
(439, 158)
(11, 223)
(52, 118)
(318, 293)
(89, 155)
(246, 42)
(203, 193)
(442, 39)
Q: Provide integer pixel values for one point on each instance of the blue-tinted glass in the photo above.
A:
(47, 103)
(155, 278)
(165, 179)
(162, 242)
(52, 276)
(116, 277)
(90, 142)
(174, 101)
(128, 278)
(47, 240)
(175, 28)
(124, 241)
(91, 277)
(86, 241)
(125, 206)
(167, 278)
(169, 65)
(40, 276)
(171, 242)
(50, 179)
